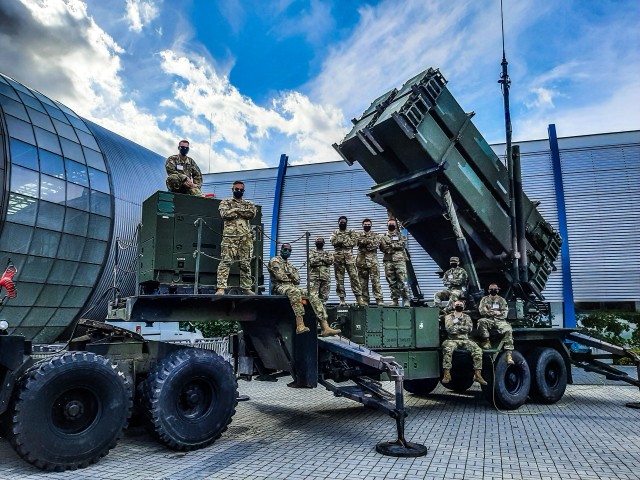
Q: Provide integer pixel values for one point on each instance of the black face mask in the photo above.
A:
(459, 308)
(367, 228)
(319, 245)
(342, 225)
(391, 227)
(183, 150)
(493, 291)
(238, 193)
(285, 253)
(453, 265)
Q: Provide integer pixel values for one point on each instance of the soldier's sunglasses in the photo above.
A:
(238, 190)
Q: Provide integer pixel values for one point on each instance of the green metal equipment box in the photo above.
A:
(169, 240)
(411, 335)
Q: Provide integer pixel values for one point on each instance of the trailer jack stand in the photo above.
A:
(400, 448)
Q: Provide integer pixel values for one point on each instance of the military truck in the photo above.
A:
(67, 410)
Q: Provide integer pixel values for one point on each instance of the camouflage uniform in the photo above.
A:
(368, 267)
(494, 312)
(458, 329)
(285, 280)
(455, 279)
(343, 241)
(319, 274)
(392, 245)
(178, 170)
(237, 241)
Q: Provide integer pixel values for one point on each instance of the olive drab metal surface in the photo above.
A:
(169, 238)
(417, 143)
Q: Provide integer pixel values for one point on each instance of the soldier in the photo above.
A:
(183, 174)
(319, 275)
(367, 263)
(343, 240)
(285, 280)
(237, 240)
(455, 279)
(393, 244)
(494, 310)
(458, 326)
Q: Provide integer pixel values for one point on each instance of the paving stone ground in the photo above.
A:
(284, 433)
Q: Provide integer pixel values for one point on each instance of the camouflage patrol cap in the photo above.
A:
(454, 259)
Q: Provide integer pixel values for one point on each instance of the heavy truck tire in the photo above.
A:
(461, 372)
(548, 375)
(190, 398)
(68, 411)
(507, 385)
(421, 386)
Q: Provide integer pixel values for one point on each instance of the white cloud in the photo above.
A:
(141, 13)
(544, 98)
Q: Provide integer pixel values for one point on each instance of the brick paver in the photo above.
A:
(293, 434)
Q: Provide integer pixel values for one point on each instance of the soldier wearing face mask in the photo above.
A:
(183, 174)
(494, 310)
(367, 263)
(458, 326)
(455, 280)
(319, 276)
(393, 245)
(237, 239)
(285, 280)
(343, 240)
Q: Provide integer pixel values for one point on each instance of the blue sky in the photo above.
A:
(261, 78)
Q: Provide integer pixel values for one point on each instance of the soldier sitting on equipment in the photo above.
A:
(183, 174)
(285, 280)
(455, 279)
(494, 310)
(458, 326)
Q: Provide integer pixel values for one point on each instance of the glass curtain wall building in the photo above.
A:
(62, 207)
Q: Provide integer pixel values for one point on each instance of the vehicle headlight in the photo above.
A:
(3, 325)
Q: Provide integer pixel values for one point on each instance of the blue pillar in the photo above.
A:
(567, 284)
(277, 200)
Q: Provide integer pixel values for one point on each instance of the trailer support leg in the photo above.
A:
(400, 447)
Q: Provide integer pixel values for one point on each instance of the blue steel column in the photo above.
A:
(277, 200)
(567, 284)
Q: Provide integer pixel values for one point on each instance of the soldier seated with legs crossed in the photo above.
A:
(458, 326)
(285, 280)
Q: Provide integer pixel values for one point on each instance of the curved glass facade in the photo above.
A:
(57, 208)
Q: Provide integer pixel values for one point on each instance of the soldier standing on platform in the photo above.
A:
(393, 245)
(183, 174)
(285, 279)
(319, 274)
(237, 240)
(343, 240)
(367, 263)
(455, 280)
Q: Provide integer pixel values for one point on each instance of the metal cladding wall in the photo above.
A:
(602, 195)
(136, 173)
(601, 174)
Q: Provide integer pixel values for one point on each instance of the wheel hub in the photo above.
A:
(73, 410)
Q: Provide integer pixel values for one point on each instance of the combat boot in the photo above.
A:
(446, 378)
(342, 302)
(406, 302)
(246, 291)
(220, 291)
(326, 330)
(394, 302)
(477, 377)
(509, 359)
(379, 302)
(486, 344)
(360, 301)
(300, 326)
